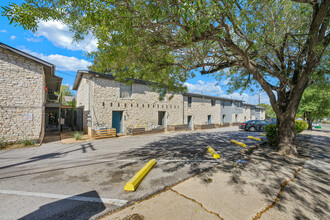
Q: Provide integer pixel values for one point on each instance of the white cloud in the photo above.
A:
(3, 31)
(209, 88)
(60, 35)
(225, 82)
(12, 37)
(62, 63)
(253, 99)
(33, 39)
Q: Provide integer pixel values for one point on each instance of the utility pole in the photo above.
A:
(259, 98)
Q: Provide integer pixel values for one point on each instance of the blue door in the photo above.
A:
(116, 120)
(209, 119)
(189, 121)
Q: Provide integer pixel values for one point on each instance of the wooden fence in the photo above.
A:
(183, 127)
(137, 131)
(104, 133)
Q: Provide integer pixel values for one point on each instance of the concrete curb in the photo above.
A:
(133, 183)
(213, 152)
(238, 143)
(254, 138)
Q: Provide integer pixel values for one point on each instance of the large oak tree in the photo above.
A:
(277, 43)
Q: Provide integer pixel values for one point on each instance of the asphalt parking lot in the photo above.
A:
(84, 180)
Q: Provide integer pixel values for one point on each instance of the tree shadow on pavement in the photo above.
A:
(263, 169)
(75, 207)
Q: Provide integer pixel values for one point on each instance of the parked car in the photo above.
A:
(242, 125)
(271, 120)
(256, 125)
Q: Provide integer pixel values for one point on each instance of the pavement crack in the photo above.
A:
(258, 216)
(200, 204)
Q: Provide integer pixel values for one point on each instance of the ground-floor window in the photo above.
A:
(223, 118)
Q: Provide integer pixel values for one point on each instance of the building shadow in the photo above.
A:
(82, 206)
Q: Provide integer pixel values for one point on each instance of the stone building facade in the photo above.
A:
(23, 96)
(108, 103)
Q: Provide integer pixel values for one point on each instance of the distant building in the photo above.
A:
(108, 103)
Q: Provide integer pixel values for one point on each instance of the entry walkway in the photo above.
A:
(51, 135)
(269, 186)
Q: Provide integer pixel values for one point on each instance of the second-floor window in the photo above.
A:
(189, 101)
(125, 90)
(212, 102)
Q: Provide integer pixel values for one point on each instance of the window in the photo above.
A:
(125, 91)
(223, 104)
(189, 101)
(212, 102)
(223, 118)
(209, 119)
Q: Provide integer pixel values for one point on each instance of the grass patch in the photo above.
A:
(2, 144)
(78, 135)
(27, 142)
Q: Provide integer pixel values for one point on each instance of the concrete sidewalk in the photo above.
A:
(269, 186)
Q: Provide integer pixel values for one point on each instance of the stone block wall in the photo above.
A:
(22, 98)
(140, 109)
(83, 97)
(200, 109)
(246, 113)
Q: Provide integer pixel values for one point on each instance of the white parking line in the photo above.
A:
(117, 202)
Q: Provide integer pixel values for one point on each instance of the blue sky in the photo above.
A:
(53, 42)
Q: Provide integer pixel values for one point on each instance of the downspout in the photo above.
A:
(182, 109)
(89, 116)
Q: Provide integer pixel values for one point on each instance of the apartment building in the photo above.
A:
(108, 103)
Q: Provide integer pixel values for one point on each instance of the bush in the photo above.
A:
(301, 126)
(271, 134)
(27, 142)
(2, 144)
(78, 135)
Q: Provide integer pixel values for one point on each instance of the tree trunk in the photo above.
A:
(286, 134)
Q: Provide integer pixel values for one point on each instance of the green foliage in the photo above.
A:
(316, 98)
(2, 144)
(270, 130)
(300, 126)
(78, 135)
(166, 41)
(269, 110)
(64, 91)
(271, 134)
(27, 142)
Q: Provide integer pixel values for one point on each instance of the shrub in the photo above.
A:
(301, 126)
(78, 135)
(2, 144)
(27, 142)
(271, 134)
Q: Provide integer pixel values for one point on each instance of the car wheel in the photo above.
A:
(252, 129)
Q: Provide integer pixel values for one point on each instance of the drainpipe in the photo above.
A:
(182, 109)
(89, 116)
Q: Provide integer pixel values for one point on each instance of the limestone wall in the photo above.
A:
(22, 97)
(83, 97)
(200, 109)
(140, 109)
